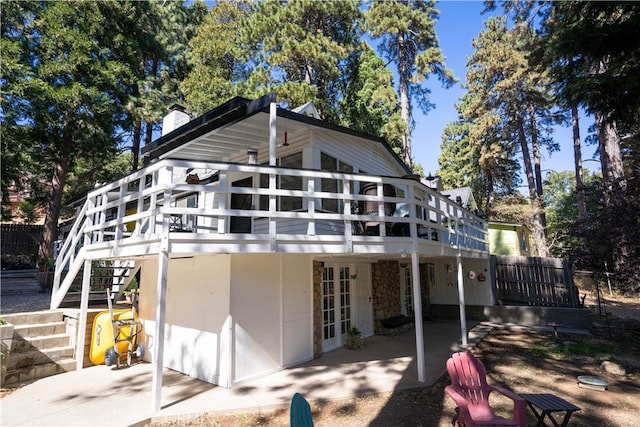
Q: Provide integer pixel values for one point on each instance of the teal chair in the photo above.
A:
(300, 413)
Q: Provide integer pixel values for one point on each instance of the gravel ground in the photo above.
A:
(20, 292)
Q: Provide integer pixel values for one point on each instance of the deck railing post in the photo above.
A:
(348, 232)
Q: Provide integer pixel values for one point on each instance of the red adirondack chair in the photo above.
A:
(470, 391)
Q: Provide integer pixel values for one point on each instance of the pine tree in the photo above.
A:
(510, 101)
(370, 103)
(593, 51)
(408, 38)
(68, 89)
(219, 62)
(303, 48)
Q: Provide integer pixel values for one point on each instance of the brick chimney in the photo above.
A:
(176, 118)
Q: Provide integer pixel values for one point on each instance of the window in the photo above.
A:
(407, 289)
(329, 163)
(431, 268)
(524, 242)
(345, 300)
(286, 182)
(328, 305)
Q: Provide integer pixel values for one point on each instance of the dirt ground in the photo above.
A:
(525, 361)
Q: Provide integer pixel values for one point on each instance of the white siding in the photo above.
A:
(368, 157)
(362, 299)
(256, 299)
(476, 292)
(297, 281)
(197, 311)
(299, 226)
(263, 315)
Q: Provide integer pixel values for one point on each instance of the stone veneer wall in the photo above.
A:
(318, 268)
(424, 291)
(385, 287)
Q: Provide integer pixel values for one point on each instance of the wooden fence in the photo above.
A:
(534, 281)
(20, 239)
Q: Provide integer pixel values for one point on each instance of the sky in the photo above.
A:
(459, 23)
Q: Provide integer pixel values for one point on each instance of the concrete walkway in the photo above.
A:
(105, 396)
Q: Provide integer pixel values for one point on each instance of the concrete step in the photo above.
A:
(22, 344)
(39, 357)
(34, 317)
(34, 372)
(40, 329)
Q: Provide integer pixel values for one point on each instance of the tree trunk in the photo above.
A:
(580, 198)
(526, 158)
(538, 170)
(536, 152)
(50, 230)
(615, 194)
(538, 231)
(615, 183)
(135, 146)
(405, 110)
(148, 136)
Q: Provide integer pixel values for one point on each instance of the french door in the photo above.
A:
(336, 306)
(346, 302)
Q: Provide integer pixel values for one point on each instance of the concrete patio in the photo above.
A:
(104, 396)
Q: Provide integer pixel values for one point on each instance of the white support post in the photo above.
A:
(381, 212)
(272, 212)
(463, 314)
(348, 238)
(140, 206)
(273, 112)
(82, 320)
(311, 208)
(158, 348)
(222, 203)
(161, 307)
(120, 213)
(417, 306)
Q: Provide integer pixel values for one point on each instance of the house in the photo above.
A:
(261, 235)
(504, 238)
(509, 238)
(462, 196)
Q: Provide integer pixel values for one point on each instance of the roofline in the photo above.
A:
(237, 109)
(287, 114)
(234, 110)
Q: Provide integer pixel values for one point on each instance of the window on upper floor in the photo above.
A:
(285, 182)
(330, 163)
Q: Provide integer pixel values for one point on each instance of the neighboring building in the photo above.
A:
(462, 196)
(509, 239)
(262, 235)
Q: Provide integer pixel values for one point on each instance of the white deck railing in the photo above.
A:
(141, 209)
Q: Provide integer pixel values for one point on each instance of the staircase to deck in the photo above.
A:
(41, 347)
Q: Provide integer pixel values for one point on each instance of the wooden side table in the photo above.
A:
(548, 404)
